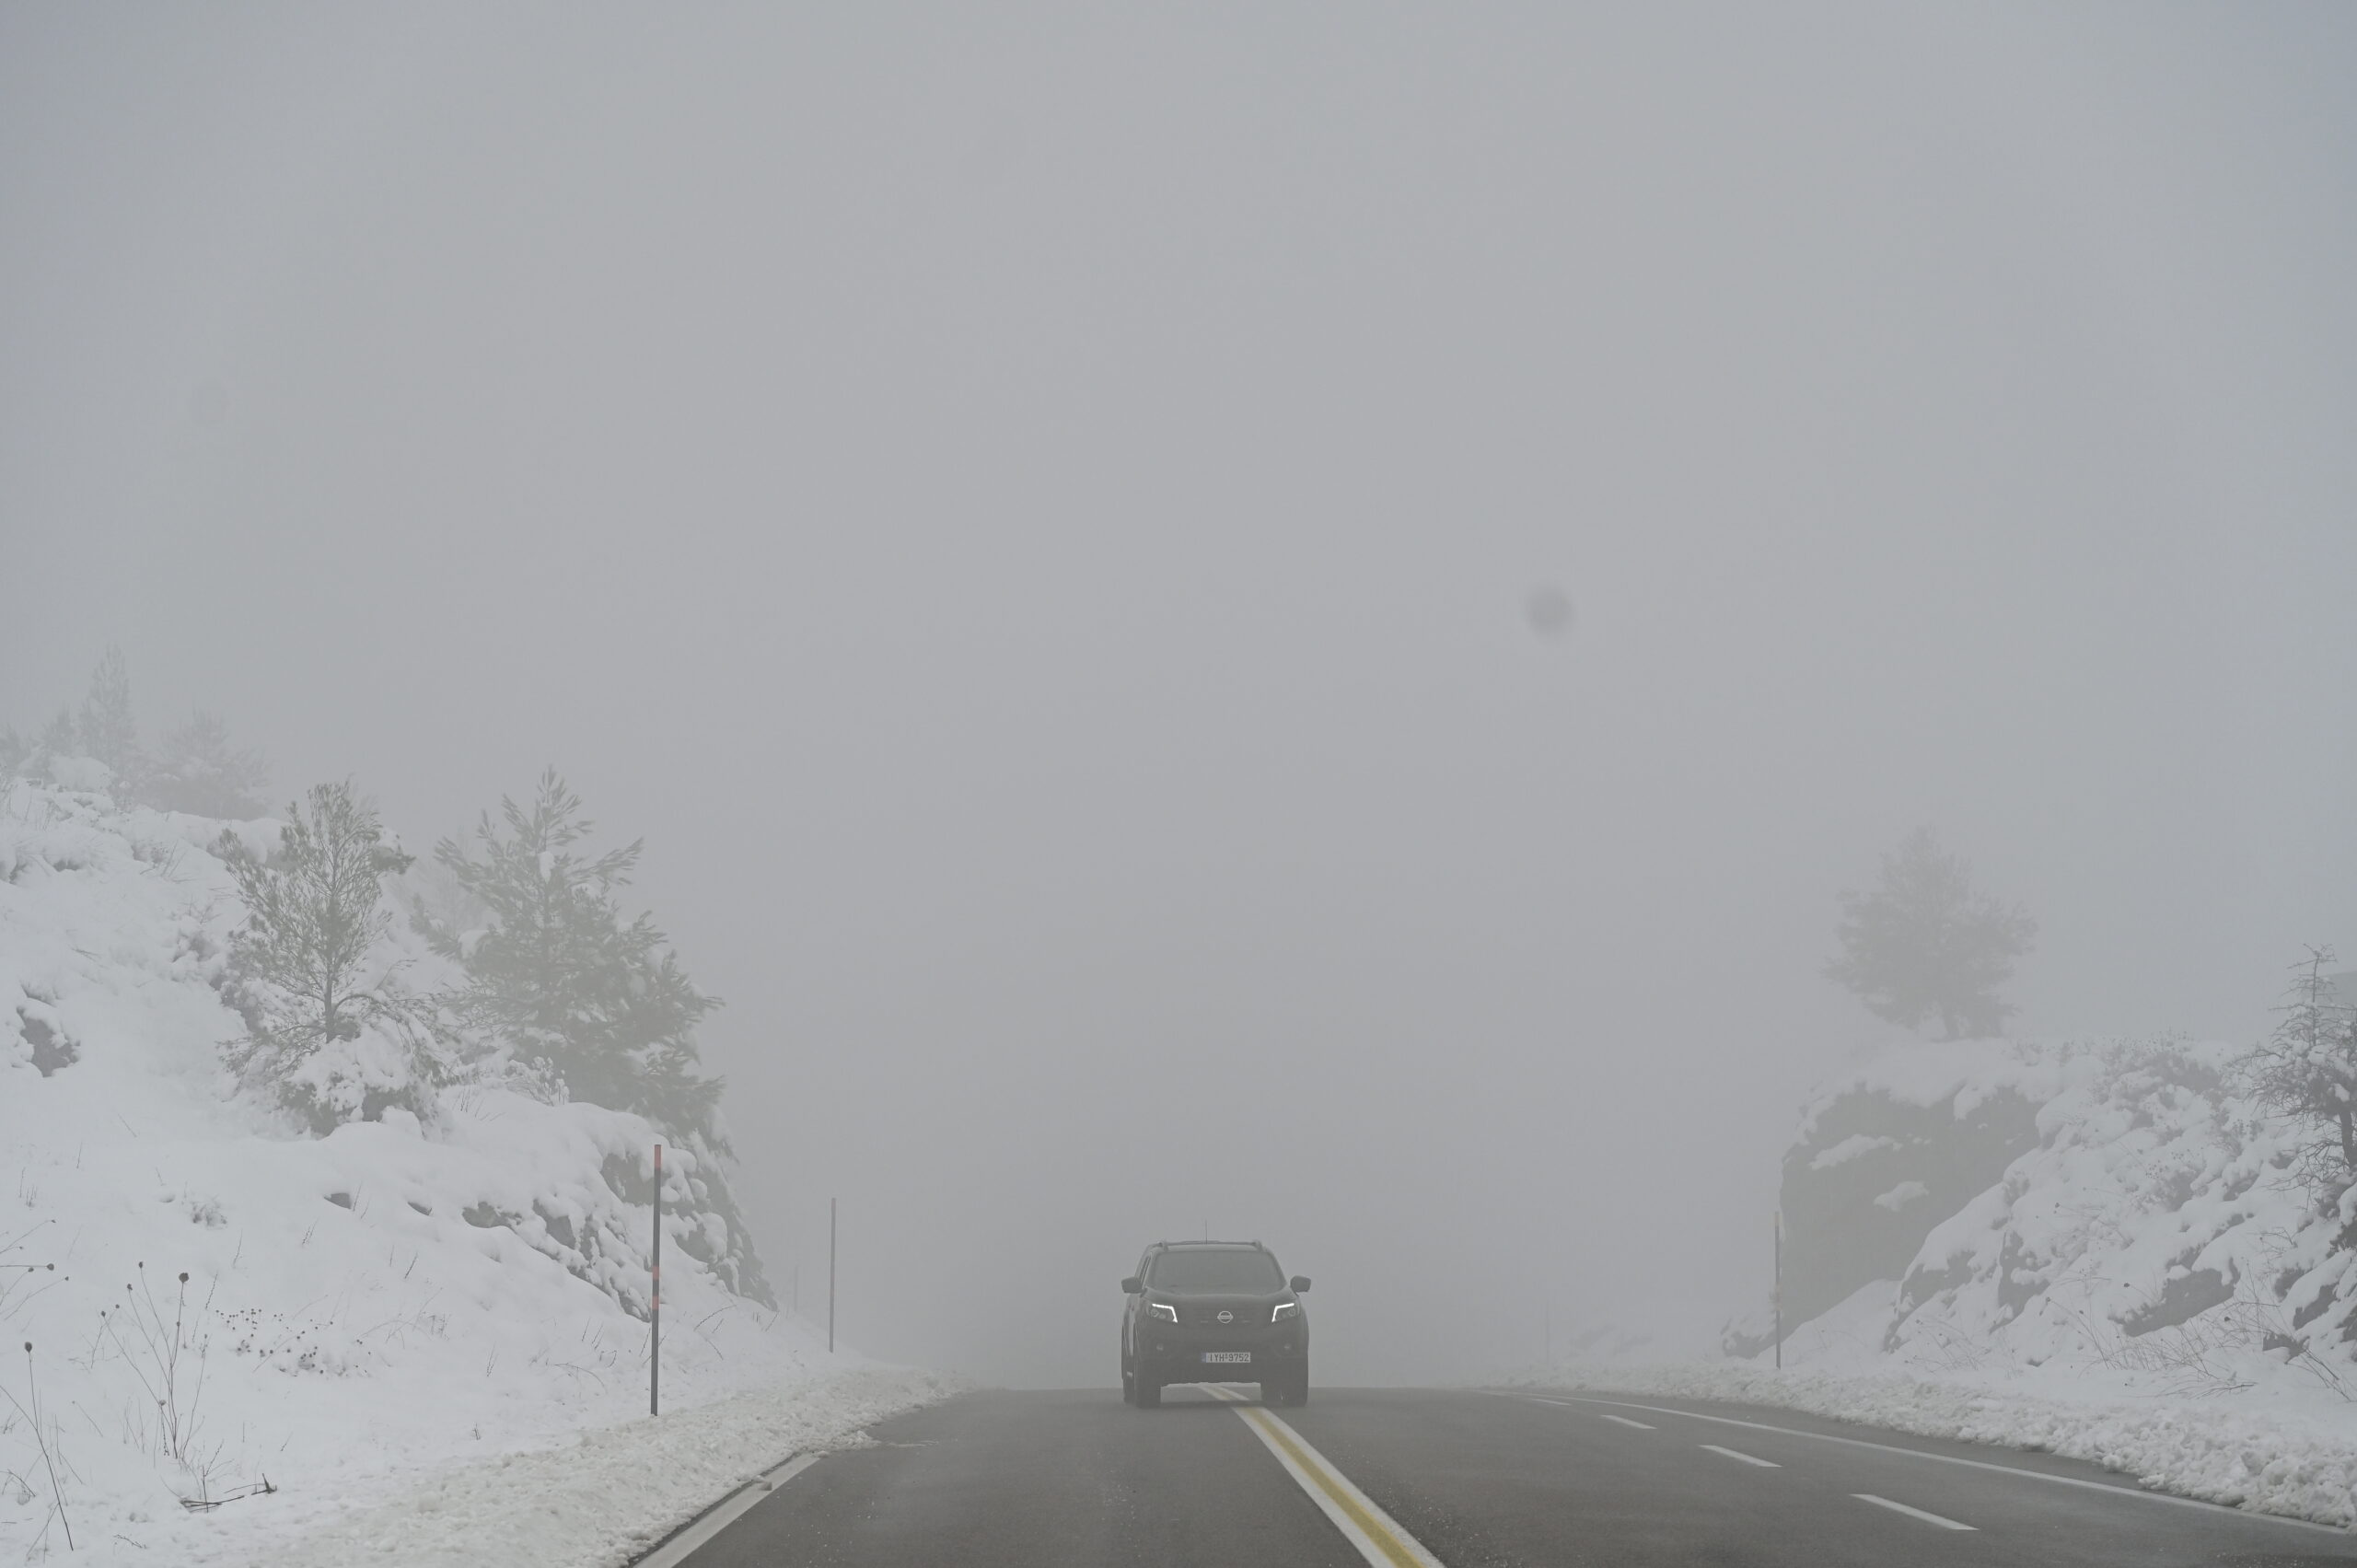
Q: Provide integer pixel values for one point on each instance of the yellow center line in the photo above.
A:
(1377, 1530)
(1378, 1536)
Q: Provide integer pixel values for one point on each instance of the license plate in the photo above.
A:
(1228, 1357)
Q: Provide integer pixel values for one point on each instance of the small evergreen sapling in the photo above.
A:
(329, 1042)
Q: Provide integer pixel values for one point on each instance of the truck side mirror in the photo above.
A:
(1130, 1286)
(1299, 1282)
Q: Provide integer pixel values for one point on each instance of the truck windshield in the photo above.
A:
(1239, 1271)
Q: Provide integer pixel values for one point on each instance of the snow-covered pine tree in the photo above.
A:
(557, 969)
(328, 1034)
(202, 774)
(1926, 945)
(2306, 1071)
(600, 1002)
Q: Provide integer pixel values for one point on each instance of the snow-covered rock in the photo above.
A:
(1886, 1154)
(2115, 1202)
(2156, 1229)
(2097, 1249)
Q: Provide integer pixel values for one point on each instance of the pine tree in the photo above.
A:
(300, 966)
(2306, 1071)
(1925, 944)
(202, 774)
(599, 1000)
(106, 730)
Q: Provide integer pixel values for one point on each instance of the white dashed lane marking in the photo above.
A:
(1746, 1459)
(1928, 1517)
(2018, 1471)
(1911, 1513)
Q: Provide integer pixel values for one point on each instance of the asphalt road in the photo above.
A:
(1402, 1478)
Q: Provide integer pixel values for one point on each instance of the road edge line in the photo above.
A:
(692, 1537)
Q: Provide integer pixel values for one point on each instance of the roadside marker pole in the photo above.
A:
(830, 1276)
(1777, 1294)
(655, 1314)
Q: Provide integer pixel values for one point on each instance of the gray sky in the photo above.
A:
(1032, 517)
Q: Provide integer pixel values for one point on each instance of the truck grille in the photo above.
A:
(1208, 1317)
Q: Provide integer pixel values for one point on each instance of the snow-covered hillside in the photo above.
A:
(2099, 1248)
(216, 1302)
(2115, 1206)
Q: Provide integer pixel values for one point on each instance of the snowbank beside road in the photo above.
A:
(604, 1501)
(2299, 1463)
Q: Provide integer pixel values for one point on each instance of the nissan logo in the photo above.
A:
(1227, 1317)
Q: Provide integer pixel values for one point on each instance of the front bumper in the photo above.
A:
(1173, 1354)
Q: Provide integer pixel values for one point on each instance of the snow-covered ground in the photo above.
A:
(2101, 1250)
(604, 1500)
(426, 1336)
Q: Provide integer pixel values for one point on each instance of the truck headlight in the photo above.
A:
(1163, 1311)
(1284, 1310)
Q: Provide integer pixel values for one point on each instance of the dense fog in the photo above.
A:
(1279, 623)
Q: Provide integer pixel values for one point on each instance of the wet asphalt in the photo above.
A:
(1078, 1477)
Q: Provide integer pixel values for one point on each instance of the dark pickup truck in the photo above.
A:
(1214, 1312)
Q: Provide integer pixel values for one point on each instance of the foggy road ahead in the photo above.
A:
(1408, 1477)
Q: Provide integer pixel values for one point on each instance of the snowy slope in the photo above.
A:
(391, 1307)
(2097, 1249)
(2150, 1227)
